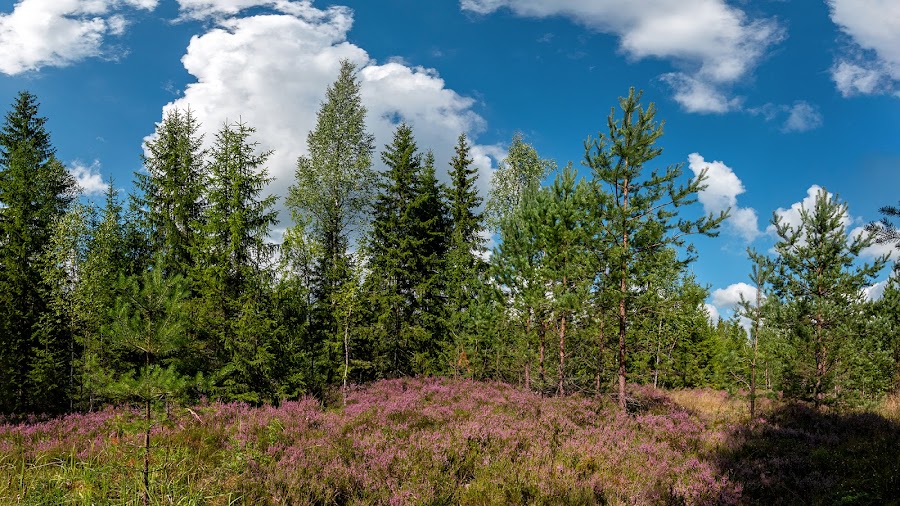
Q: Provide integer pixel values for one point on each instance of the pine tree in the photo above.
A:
(149, 319)
(760, 274)
(333, 192)
(819, 286)
(171, 203)
(35, 190)
(235, 253)
(637, 211)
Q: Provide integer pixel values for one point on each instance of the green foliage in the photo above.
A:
(639, 213)
(466, 245)
(170, 204)
(332, 195)
(232, 276)
(820, 300)
(520, 172)
(35, 191)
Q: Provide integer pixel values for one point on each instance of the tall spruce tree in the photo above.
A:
(333, 192)
(35, 190)
(234, 258)
(170, 203)
(638, 211)
(393, 246)
(430, 227)
(819, 285)
(465, 249)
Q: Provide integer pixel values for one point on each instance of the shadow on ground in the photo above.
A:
(799, 455)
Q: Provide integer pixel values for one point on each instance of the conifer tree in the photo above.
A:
(35, 190)
(638, 211)
(819, 286)
(430, 228)
(106, 260)
(235, 255)
(393, 245)
(466, 246)
(170, 204)
(760, 274)
(333, 192)
(150, 320)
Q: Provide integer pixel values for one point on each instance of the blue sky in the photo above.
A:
(776, 97)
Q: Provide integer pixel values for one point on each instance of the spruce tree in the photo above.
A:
(234, 258)
(106, 260)
(393, 246)
(333, 192)
(170, 203)
(430, 229)
(35, 190)
(465, 248)
(638, 211)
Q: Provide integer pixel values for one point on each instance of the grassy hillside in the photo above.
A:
(443, 441)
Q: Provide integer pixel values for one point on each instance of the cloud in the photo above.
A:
(56, 33)
(713, 313)
(88, 177)
(872, 62)
(730, 296)
(271, 71)
(722, 188)
(801, 116)
(876, 291)
(712, 45)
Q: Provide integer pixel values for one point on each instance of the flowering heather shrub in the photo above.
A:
(406, 441)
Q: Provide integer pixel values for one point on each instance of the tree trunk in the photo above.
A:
(756, 319)
(541, 336)
(561, 376)
(623, 288)
(601, 346)
(346, 352)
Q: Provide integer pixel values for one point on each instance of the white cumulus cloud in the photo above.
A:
(271, 71)
(41, 33)
(730, 296)
(711, 43)
(872, 63)
(88, 177)
(722, 190)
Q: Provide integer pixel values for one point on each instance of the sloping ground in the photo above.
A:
(444, 441)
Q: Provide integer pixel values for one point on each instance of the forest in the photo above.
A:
(177, 294)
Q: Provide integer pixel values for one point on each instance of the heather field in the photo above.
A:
(445, 441)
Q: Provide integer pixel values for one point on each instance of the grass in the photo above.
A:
(444, 441)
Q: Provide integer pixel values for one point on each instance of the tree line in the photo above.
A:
(177, 292)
